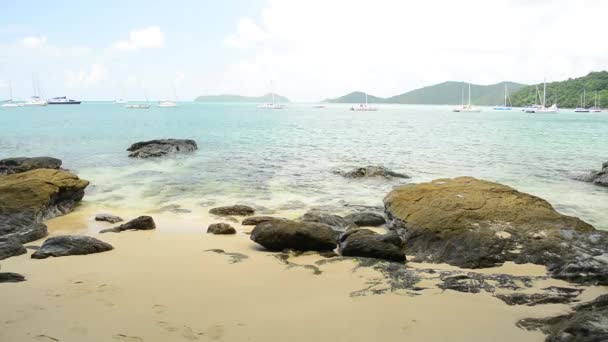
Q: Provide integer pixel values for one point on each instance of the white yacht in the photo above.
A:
(364, 107)
(167, 103)
(542, 108)
(468, 108)
(10, 103)
(138, 106)
(596, 105)
(505, 105)
(583, 108)
(36, 99)
(272, 105)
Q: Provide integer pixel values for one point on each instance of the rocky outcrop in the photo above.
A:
(335, 221)
(65, 245)
(366, 243)
(299, 236)
(588, 322)
(221, 229)
(554, 295)
(22, 164)
(474, 223)
(366, 219)
(108, 218)
(371, 171)
(161, 148)
(233, 210)
(10, 247)
(26, 198)
(598, 177)
(9, 277)
(140, 223)
(255, 220)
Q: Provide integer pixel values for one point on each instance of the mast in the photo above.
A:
(505, 94)
(544, 104)
(469, 94)
(462, 97)
(366, 99)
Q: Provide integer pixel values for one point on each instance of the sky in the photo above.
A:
(307, 50)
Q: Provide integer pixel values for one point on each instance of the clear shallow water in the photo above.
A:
(284, 159)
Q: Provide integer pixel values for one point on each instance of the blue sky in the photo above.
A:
(310, 50)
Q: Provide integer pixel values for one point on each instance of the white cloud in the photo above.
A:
(145, 38)
(247, 32)
(34, 42)
(318, 48)
(86, 77)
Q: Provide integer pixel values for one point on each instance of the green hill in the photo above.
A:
(568, 93)
(356, 97)
(442, 93)
(241, 99)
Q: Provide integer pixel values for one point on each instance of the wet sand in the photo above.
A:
(163, 285)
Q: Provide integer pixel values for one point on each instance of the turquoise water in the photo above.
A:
(283, 159)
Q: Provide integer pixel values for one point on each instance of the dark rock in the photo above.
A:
(161, 148)
(476, 282)
(10, 247)
(140, 223)
(255, 220)
(366, 243)
(65, 245)
(300, 236)
(472, 223)
(21, 228)
(371, 171)
(236, 210)
(366, 219)
(234, 257)
(598, 177)
(531, 299)
(8, 277)
(17, 165)
(588, 322)
(108, 218)
(221, 229)
(334, 221)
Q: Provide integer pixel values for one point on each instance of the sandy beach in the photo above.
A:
(163, 285)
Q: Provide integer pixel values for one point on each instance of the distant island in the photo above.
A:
(448, 93)
(242, 99)
(568, 93)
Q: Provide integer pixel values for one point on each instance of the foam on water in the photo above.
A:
(285, 158)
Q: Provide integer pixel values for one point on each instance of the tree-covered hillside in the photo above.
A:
(356, 97)
(568, 93)
(452, 93)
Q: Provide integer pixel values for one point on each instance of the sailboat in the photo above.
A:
(504, 106)
(542, 108)
(273, 104)
(364, 107)
(596, 106)
(139, 105)
(10, 102)
(469, 108)
(583, 108)
(169, 103)
(36, 99)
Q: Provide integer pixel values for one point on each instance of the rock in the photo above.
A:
(21, 229)
(10, 247)
(221, 229)
(472, 282)
(472, 223)
(234, 257)
(299, 236)
(108, 218)
(366, 243)
(140, 223)
(65, 245)
(532, 299)
(371, 171)
(8, 277)
(366, 219)
(334, 221)
(21, 164)
(161, 148)
(236, 210)
(598, 177)
(255, 220)
(588, 322)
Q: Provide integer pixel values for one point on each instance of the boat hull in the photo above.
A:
(64, 103)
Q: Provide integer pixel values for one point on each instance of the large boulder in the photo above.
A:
(161, 148)
(233, 210)
(369, 244)
(140, 223)
(22, 164)
(108, 218)
(221, 229)
(65, 245)
(366, 219)
(335, 221)
(371, 171)
(300, 236)
(10, 247)
(588, 322)
(598, 177)
(473, 223)
(255, 220)
(28, 197)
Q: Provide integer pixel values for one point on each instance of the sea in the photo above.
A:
(286, 159)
